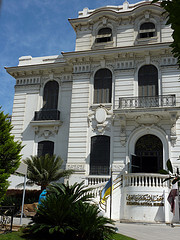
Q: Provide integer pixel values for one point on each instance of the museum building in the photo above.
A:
(113, 104)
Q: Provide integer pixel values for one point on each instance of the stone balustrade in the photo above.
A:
(144, 180)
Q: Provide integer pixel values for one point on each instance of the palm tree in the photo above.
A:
(66, 213)
(76, 192)
(45, 169)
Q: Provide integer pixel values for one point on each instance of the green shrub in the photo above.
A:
(67, 214)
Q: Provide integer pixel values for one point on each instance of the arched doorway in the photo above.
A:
(148, 156)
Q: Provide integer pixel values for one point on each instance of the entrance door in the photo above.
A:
(148, 156)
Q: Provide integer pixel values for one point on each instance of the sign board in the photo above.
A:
(145, 200)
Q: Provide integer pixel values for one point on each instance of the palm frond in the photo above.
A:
(45, 169)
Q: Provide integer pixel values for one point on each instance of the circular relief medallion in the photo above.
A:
(100, 115)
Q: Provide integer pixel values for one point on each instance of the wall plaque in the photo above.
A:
(145, 200)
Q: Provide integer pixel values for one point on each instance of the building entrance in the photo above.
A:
(148, 156)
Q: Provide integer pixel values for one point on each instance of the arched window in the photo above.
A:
(45, 147)
(148, 156)
(100, 155)
(103, 86)
(50, 96)
(104, 35)
(147, 30)
(148, 81)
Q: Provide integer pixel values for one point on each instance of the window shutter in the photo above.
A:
(100, 155)
(103, 86)
(50, 96)
(45, 147)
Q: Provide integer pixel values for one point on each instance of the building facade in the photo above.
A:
(111, 105)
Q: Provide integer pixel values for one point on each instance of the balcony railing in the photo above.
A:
(47, 114)
(144, 180)
(147, 102)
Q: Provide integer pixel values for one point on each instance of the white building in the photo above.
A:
(112, 103)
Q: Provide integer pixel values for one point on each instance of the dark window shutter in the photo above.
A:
(104, 35)
(50, 96)
(147, 30)
(45, 147)
(103, 86)
(135, 164)
(100, 155)
(148, 81)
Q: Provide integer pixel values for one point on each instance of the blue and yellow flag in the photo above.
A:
(106, 191)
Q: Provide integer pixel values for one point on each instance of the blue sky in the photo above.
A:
(36, 28)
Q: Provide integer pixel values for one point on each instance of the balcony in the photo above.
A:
(47, 114)
(46, 122)
(147, 102)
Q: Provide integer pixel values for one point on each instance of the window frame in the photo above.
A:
(147, 31)
(50, 95)
(102, 86)
(43, 146)
(104, 37)
(98, 151)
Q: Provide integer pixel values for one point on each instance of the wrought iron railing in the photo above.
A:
(147, 102)
(6, 218)
(47, 114)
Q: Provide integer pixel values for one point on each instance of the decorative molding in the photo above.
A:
(47, 128)
(117, 168)
(76, 167)
(81, 68)
(28, 81)
(100, 119)
(173, 119)
(147, 119)
(67, 78)
(46, 133)
(166, 61)
(51, 77)
(125, 64)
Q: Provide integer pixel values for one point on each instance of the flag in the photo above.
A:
(171, 198)
(106, 191)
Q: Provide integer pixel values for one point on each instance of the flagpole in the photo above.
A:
(111, 194)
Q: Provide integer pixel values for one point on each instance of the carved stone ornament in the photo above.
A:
(75, 167)
(46, 132)
(147, 119)
(102, 127)
(100, 119)
(101, 115)
(173, 119)
(117, 168)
